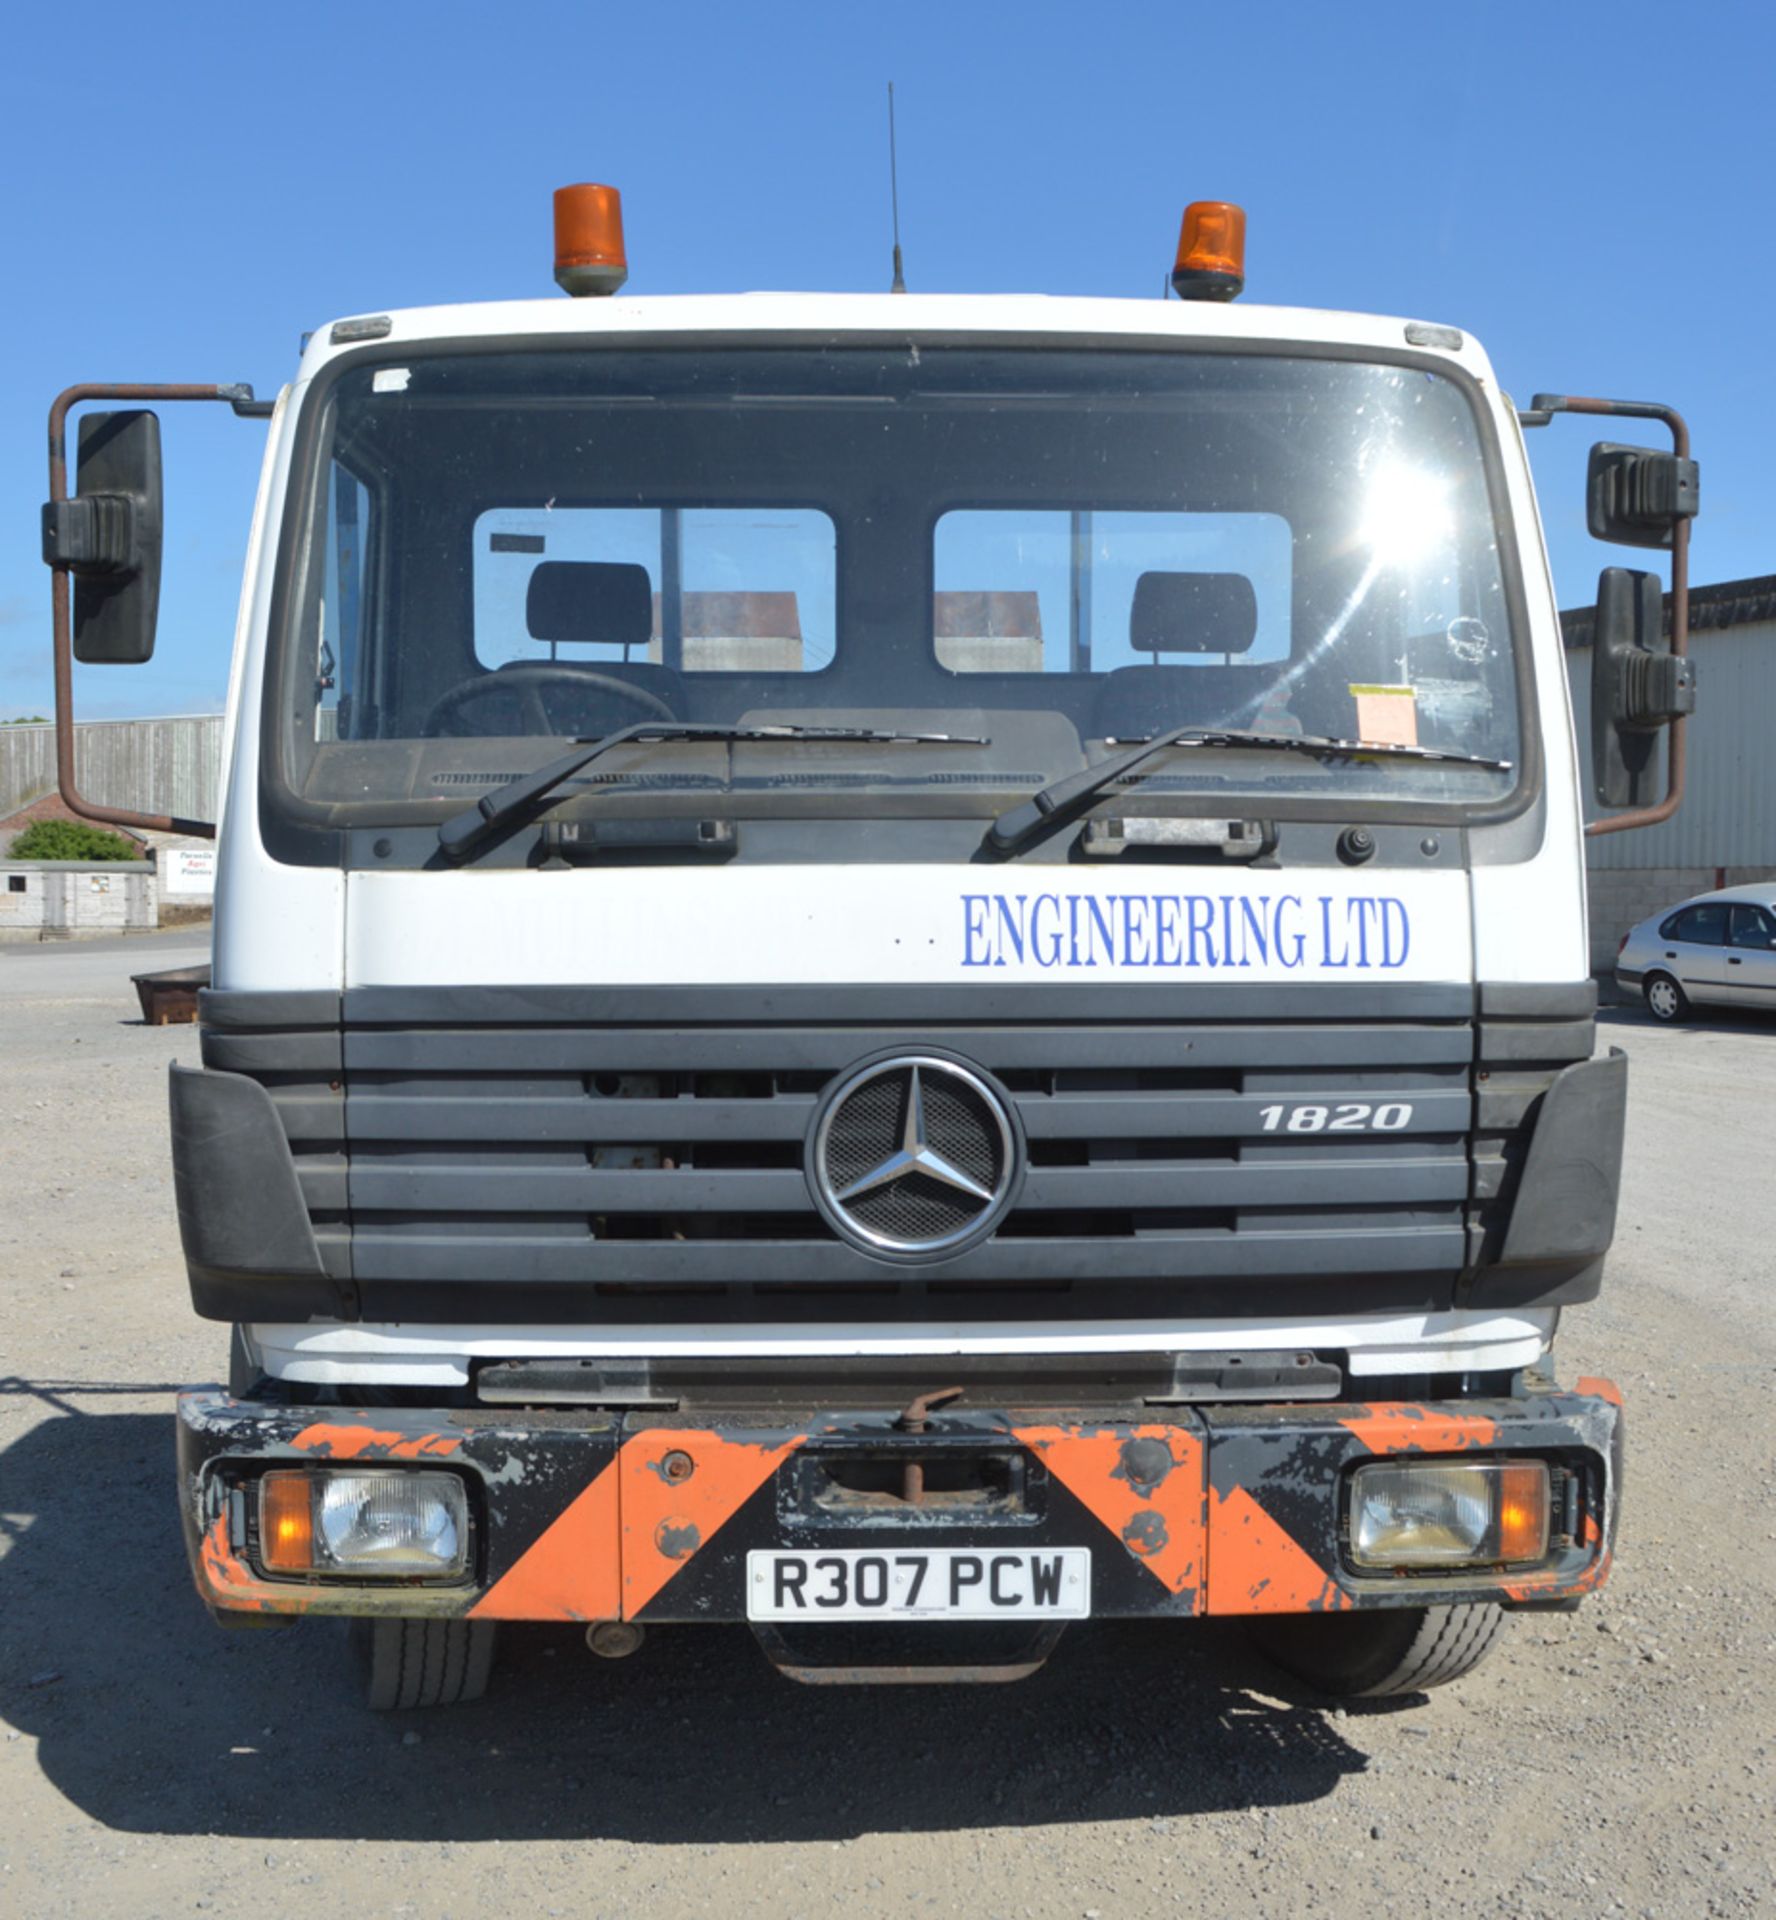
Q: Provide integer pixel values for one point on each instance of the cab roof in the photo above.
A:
(836, 316)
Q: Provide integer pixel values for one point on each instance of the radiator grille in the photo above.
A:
(576, 1155)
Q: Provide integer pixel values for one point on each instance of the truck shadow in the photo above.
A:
(152, 1720)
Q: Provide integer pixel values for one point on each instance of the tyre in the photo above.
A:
(422, 1663)
(1666, 1001)
(1387, 1650)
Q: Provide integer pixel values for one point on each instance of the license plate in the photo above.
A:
(931, 1583)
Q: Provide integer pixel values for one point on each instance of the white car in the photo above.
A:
(1717, 947)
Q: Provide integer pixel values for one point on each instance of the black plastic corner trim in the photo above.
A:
(1528, 1000)
(286, 1299)
(222, 1008)
(1566, 1202)
(1554, 1283)
(241, 1212)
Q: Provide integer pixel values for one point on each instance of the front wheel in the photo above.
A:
(422, 1663)
(1666, 1000)
(1389, 1650)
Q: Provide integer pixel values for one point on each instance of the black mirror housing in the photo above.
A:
(109, 535)
(1635, 496)
(1637, 685)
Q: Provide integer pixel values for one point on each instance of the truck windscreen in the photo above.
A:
(1055, 549)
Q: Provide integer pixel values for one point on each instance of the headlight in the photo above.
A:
(1448, 1514)
(364, 1523)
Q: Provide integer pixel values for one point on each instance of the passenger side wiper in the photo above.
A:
(1064, 800)
(459, 834)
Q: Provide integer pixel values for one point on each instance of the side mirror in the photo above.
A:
(108, 538)
(1635, 496)
(1637, 686)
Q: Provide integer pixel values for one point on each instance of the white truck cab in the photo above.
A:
(903, 967)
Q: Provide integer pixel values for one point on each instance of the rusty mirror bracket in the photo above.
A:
(239, 397)
(1542, 409)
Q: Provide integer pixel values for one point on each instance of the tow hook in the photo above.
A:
(915, 1420)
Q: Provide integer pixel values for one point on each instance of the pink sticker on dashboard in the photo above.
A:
(1387, 716)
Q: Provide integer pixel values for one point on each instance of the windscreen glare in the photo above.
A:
(1051, 551)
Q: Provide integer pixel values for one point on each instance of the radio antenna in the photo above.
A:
(899, 285)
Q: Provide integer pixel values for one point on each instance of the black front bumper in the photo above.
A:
(590, 1516)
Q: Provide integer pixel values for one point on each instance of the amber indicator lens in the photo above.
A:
(1211, 262)
(286, 1523)
(1407, 1517)
(589, 255)
(1523, 1510)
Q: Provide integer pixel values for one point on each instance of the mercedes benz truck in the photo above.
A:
(906, 968)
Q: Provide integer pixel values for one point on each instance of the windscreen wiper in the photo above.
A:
(1063, 800)
(459, 834)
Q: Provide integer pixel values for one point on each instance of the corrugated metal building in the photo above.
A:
(171, 765)
(1725, 831)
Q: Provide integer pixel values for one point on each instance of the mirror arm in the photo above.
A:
(240, 398)
(1539, 412)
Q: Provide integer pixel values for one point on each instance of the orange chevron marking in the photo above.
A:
(1404, 1427)
(1162, 1525)
(337, 1440)
(1256, 1567)
(667, 1521)
(571, 1571)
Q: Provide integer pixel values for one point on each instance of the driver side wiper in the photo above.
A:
(459, 834)
(1064, 800)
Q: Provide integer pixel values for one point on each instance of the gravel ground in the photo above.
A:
(1616, 1761)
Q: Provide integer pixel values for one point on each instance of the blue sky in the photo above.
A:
(189, 188)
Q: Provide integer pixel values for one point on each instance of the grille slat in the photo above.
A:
(577, 1117)
(574, 1116)
(441, 1191)
(1209, 1253)
(524, 1049)
(1147, 1116)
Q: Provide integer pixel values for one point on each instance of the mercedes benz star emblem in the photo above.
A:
(914, 1156)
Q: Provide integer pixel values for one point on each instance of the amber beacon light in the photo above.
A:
(589, 257)
(1211, 251)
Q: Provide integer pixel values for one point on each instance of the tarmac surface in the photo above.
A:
(1620, 1760)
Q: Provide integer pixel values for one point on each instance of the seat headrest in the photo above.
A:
(605, 603)
(1193, 613)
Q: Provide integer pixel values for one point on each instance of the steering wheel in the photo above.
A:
(530, 679)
